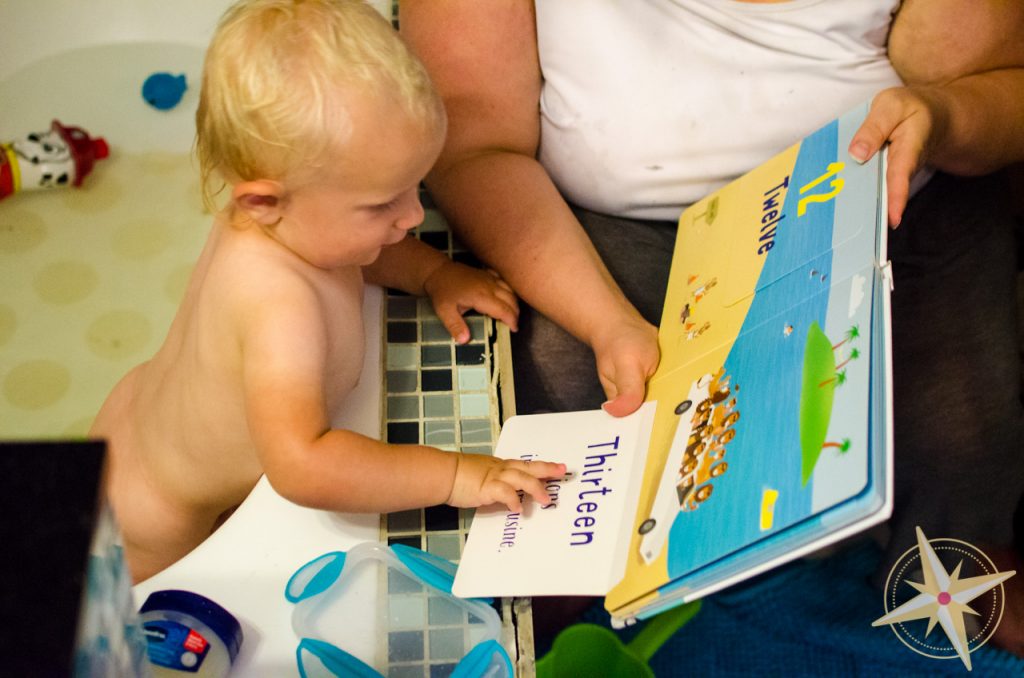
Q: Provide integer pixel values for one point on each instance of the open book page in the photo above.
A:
(574, 545)
(764, 389)
(767, 427)
(870, 507)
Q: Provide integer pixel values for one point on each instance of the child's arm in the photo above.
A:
(419, 269)
(285, 345)
(345, 471)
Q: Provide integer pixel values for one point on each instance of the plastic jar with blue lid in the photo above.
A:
(187, 633)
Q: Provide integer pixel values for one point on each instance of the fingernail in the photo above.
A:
(859, 151)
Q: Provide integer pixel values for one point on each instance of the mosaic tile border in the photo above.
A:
(446, 395)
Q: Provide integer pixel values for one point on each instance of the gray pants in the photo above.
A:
(959, 457)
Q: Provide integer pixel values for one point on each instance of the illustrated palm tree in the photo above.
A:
(854, 354)
(841, 447)
(838, 379)
(851, 334)
(710, 213)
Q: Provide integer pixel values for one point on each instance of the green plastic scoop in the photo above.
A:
(592, 650)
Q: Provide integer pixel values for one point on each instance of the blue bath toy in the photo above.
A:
(163, 90)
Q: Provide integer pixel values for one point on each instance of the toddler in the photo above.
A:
(318, 124)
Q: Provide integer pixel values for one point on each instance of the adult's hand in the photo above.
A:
(964, 93)
(911, 120)
(627, 355)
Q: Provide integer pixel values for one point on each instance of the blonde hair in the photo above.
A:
(277, 80)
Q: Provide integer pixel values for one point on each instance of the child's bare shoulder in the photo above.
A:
(272, 299)
(251, 276)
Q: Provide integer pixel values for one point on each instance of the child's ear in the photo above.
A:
(261, 200)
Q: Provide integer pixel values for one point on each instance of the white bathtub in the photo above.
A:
(100, 268)
(34, 29)
(87, 94)
(93, 276)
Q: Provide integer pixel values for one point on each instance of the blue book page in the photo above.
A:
(869, 507)
(765, 393)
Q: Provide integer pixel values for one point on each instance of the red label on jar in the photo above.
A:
(175, 646)
(195, 642)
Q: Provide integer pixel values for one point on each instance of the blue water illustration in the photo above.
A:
(793, 290)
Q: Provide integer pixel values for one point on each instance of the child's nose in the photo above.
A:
(412, 215)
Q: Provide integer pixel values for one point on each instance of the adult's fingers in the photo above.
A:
(901, 118)
(625, 398)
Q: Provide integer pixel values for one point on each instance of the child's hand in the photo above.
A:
(455, 288)
(481, 480)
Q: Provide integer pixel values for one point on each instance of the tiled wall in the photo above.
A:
(445, 395)
(437, 393)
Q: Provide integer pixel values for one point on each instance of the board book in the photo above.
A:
(766, 430)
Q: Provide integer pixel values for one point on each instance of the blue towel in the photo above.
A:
(808, 618)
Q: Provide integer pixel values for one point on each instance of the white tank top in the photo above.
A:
(649, 105)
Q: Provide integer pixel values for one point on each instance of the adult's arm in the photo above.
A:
(963, 103)
(482, 57)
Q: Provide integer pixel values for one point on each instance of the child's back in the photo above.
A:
(181, 448)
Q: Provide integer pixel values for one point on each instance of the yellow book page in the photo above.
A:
(717, 262)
